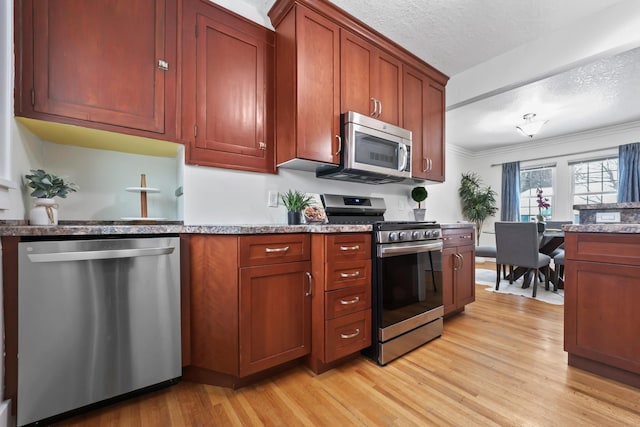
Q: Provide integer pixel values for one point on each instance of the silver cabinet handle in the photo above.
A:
(424, 164)
(107, 254)
(379, 108)
(345, 275)
(349, 302)
(350, 248)
(430, 164)
(375, 107)
(339, 138)
(271, 250)
(347, 336)
(310, 277)
(461, 261)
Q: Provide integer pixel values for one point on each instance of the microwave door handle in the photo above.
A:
(405, 158)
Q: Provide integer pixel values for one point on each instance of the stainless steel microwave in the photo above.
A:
(372, 152)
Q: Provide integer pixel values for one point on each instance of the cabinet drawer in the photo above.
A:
(274, 248)
(350, 273)
(347, 334)
(343, 247)
(602, 247)
(347, 301)
(457, 237)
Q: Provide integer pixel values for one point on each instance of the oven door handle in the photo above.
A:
(395, 250)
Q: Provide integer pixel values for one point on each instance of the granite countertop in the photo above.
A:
(87, 228)
(602, 228)
(623, 205)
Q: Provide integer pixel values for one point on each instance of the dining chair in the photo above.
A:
(517, 243)
(558, 262)
(487, 251)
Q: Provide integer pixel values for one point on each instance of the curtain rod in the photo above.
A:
(556, 156)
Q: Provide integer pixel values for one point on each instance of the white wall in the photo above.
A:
(220, 196)
(103, 176)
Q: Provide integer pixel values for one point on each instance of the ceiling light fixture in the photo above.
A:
(530, 127)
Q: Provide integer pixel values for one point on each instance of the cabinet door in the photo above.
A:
(423, 115)
(465, 281)
(97, 61)
(227, 81)
(275, 315)
(318, 88)
(598, 325)
(450, 263)
(434, 139)
(371, 80)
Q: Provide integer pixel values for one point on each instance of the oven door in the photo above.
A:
(409, 282)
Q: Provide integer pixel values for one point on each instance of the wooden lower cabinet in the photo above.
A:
(601, 294)
(341, 319)
(458, 267)
(248, 314)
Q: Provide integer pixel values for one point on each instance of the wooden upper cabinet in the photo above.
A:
(371, 80)
(423, 114)
(308, 87)
(105, 64)
(227, 84)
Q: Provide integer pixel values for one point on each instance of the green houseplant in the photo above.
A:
(295, 201)
(478, 202)
(419, 195)
(45, 187)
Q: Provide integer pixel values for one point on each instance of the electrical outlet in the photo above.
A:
(273, 199)
(611, 217)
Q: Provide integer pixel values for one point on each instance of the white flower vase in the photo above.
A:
(44, 212)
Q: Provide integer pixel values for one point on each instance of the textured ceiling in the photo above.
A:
(456, 35)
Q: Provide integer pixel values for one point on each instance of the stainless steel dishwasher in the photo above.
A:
(96, 319)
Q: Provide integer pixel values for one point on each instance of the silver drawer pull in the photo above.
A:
(345, 275)
(347, 336)
(351, 301)
(350, 248)
(271, 250)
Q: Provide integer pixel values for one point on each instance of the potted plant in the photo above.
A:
(45, 187)
(295, 202)
(419, 195)
(478, 203)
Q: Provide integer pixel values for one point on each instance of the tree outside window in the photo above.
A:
(530, 181)
(595, 181)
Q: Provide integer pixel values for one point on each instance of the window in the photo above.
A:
(595, 181)
(530, 181)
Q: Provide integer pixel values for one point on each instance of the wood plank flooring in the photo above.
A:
(501, 363)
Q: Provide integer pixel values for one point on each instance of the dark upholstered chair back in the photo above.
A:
(517, 243)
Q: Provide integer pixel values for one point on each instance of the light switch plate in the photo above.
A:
(273, 199)
(607, 217)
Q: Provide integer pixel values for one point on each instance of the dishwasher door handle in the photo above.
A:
(93, 255)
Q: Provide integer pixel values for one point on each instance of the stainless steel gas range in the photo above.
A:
(407, 281)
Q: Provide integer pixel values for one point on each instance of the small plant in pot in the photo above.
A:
(45, 187)
(295, 202)
(419, 195)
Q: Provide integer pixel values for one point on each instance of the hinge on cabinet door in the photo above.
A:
(163, 65)
(33, 97)
(195, 130)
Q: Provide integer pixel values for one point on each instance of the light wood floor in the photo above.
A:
(501, 362)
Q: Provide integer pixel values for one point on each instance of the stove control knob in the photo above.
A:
(393, 236)
(427, 234)
(415, 235)
(402, 235)
(436, 233)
